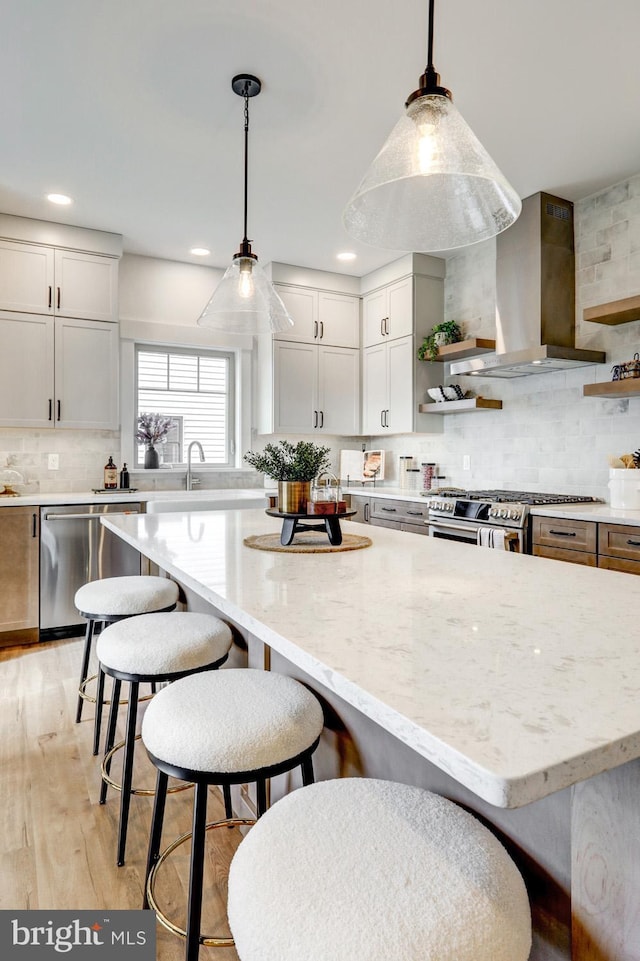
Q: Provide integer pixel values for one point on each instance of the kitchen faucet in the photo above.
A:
(194, 443)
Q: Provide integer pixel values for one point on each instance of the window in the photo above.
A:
(195, 388)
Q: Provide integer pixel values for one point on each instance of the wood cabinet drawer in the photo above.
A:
(567, 535)
(616, 540)
(588, 558)
(619, 564)
(399, 511)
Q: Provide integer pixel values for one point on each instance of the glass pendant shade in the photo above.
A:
(432, 187)
(245, 302)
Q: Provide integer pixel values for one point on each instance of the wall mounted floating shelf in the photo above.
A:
(629, 387)
(466, 348)
(460, 406)
(616, 312)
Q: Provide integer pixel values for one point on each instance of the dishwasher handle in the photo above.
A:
(87, 517)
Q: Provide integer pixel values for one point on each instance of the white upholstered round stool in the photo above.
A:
(233, 727)
(151, 647)
(113, 599)
(359, 868)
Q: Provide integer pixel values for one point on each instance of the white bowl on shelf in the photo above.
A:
(436, 393)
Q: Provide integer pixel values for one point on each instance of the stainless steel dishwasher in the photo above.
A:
(76, 548)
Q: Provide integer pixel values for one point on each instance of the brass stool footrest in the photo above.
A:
(82, 691)
(209, 941)
(142, 792)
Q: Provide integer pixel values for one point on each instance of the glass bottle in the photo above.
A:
(110, 475)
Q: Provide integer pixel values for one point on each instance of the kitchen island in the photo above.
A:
(506, 678)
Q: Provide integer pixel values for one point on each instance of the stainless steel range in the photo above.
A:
(458, 515)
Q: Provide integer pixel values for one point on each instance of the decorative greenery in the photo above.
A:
(290, 462)
(428, 350)
(153, 428)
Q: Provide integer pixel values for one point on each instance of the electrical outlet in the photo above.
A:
(466, 462)
(53, 462)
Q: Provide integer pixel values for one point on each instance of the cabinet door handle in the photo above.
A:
(386, 417)
(386, 326)
(563, 533)
(315, 330)
(366, 512)
(321, 329)
(58, 410)
(58, 298)
(50, 296)
(389, 510)
(321, 418)
(382, 326)
(382, 418)
(315, 418)
(34, 531)
(634, 543)
(50, 408)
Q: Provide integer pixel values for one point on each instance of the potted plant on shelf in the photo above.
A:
(448, 332)
(152, 430)
(293, 466)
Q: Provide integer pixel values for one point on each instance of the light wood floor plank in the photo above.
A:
(58, 843)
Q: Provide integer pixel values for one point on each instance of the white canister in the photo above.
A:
(624, 488)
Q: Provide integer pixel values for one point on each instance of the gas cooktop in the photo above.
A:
(516, 497)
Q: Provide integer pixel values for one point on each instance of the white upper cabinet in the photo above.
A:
(387, 313)
(58, 372)
(58, 282)
(321, 317)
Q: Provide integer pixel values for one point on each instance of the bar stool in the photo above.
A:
(151, 647)
(235, 727)
(360, 868)
(107, 601)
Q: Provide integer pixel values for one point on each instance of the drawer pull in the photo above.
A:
(415, 513)
(634, 543)
(389, 510)
(563, 533)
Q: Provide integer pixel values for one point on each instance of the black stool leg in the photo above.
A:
(111, 733)
(156, 829)
(308, 776)
(127, 769)
(84, 670)
(261, 796)
(97, 721)
(228, 807)
(196, 872)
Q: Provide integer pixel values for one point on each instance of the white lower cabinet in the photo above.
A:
(388, 389)
(58, 372)
(315, 389)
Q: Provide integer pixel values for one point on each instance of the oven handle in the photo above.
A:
(86, 517)
(466, 528)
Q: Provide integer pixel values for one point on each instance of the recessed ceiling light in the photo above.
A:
(60, 199)
(200, 251)
(346, 255)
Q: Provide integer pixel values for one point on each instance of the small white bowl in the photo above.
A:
(442, 393)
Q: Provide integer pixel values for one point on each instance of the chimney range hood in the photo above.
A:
(535, 296)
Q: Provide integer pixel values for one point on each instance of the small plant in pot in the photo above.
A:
(448, 332)
(293, 466)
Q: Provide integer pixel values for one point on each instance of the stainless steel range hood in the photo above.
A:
(535, 296)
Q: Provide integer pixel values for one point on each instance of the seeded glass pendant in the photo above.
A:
(245, 301)
(433, 186)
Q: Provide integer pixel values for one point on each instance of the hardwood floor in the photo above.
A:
(58, 843)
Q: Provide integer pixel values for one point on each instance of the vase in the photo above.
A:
(151, 458)
(293, 496)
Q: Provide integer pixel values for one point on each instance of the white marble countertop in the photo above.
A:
(138, 497)
(516, 675)
(602, 513)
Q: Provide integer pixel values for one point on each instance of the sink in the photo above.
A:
(214, 500)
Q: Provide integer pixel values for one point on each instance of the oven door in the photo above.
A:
(467, 532)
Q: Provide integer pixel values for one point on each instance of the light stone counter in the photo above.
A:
(140, 497)
(601, 513)
(516, 675)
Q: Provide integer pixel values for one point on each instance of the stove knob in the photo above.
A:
(504, 513)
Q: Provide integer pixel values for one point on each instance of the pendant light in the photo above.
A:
(245, 302)
(433, 186)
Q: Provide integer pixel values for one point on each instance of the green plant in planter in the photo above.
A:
(428, 350)
(290, 462)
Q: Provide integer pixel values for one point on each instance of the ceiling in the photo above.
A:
(126, 105)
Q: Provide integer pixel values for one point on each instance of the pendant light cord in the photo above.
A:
(246, 160)
(432, 4)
